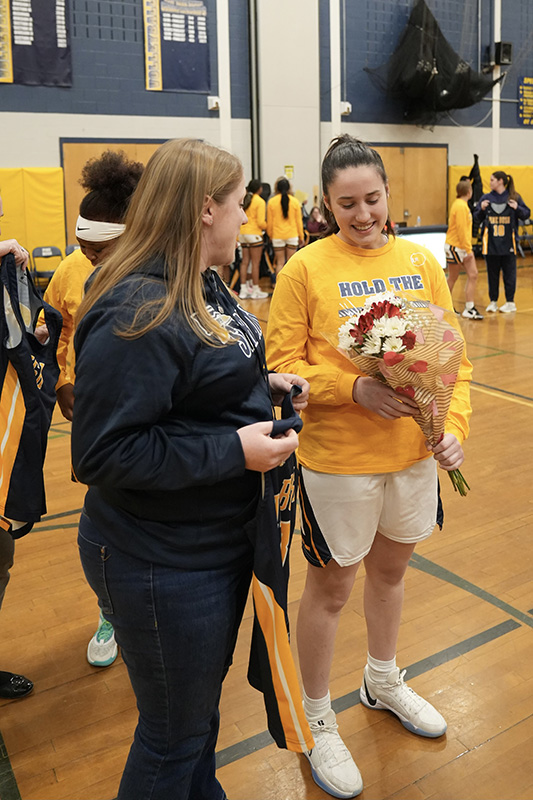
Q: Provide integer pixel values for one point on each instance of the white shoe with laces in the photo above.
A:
(332, 765)
(415, 713)
(258, 294)
(245, 292)
(507, 308)
(492, 306)
(102, 650)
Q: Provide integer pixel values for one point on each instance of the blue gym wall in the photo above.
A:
(108, 60)
(108, 66)
(370, 31)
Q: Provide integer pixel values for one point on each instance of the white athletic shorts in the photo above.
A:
(293, 242)
(250, 239)
(454, 255)
(342, 513)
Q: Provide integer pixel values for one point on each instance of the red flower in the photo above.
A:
(365, 323)
(393, 311)
(409, 340)
(357, 335)
(378, 310)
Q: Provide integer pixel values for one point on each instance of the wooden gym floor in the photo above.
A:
(466, 637)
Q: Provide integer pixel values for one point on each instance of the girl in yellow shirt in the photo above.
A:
(284, 224)
(368, 488)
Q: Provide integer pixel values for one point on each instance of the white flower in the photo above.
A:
(346, 340)
(372, 344)
(393, 344)
(395, 326)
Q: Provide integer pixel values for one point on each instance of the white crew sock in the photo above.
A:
(379, 671)
(469, 304)
(316, 709)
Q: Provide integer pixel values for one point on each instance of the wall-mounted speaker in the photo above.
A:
(503, 53)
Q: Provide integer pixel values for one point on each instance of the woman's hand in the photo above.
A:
(512, 203)
(448, 452)
(41, 333)
(261, 452)
(12, 246)
(65, 400)
(484, 204)
(280, 385)
(382, 400)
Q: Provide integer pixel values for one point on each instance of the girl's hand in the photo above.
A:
(382, 400)
(484, 204)
(261, 452)
(65, 400)
(280, 385)
(512, 203)
(448, 452)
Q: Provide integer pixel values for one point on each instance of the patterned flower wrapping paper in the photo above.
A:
(426, 373)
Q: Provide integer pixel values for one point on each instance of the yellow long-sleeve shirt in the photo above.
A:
(314, 288)
(256, 213)
(65, 292)
(459, 232)
(279, 227)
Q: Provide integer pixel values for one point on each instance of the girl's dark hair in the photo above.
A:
(110, 181)
(345, 151)
(251, 189)
(283, 189)
(508, 182)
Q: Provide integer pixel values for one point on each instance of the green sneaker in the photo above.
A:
(102, 649)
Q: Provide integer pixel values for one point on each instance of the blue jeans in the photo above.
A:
(177, 631)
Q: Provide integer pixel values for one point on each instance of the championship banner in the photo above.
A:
(34, 47)
(175, 46)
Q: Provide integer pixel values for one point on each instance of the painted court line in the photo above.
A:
(260, 740)
(493, 391)
(8, 785)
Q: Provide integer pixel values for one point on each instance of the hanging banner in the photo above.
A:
(34, 47)
(175, 46)
(525, 100)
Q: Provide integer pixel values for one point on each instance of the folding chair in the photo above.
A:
(70, 248)
(524, 235)
(41, 277)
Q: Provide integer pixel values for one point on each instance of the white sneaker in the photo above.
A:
(471, 313)
(257, 294)
(492, 306)
(245, 292)
(507, 308)
(332, 765)
(102, 649)
(415, 713)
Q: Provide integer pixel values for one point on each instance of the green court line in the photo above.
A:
(48, 517)
(264, 739)
(62, 526)
(502, 391)
(8, 785)
(424, 565)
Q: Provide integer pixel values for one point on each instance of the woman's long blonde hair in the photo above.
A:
(165, 219)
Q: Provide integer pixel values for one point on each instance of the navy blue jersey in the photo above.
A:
(499, 223)
(28, 375)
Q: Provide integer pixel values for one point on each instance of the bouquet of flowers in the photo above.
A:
(413, 346)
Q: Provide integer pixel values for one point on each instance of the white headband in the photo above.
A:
(92, 231)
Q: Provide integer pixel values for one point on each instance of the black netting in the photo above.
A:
(426, 73)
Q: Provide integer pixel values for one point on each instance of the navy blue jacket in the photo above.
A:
(155, 421)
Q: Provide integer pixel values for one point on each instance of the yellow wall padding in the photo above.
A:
(34, 208)
(522, 177)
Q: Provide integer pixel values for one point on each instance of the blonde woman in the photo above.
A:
(171, 431)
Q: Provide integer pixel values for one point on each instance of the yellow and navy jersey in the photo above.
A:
(28, 375)
(499, 238)
(499, 222)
